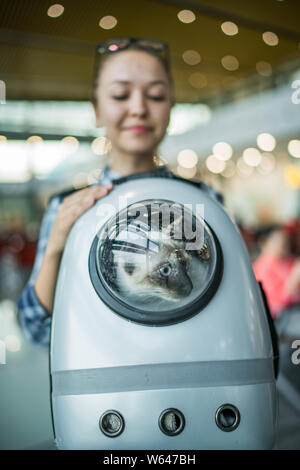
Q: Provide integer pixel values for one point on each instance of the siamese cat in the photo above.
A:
(162, 275)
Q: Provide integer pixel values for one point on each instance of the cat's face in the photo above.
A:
(163, 274)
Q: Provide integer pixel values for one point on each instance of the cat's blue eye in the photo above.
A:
(165, 270)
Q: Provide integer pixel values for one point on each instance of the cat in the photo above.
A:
(165, 273)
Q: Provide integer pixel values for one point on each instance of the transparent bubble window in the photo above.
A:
(155, 262)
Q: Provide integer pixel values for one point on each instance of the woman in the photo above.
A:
(132, 99)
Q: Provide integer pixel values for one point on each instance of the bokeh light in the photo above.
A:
(222, 150)
(266, 142)
(271, 39)
(12, 343)
(292, 176)
(80, 180)
(243, 169)
(186, 16)
(187, 158)
(230, 62)
(93, 176)
(191, 57)
(69, 145)
(267, 164)
(214, 164)
(55, 10)
(229, 28)
(264, 68)
(229, 170)
(198, 80)
(294, 148)
(186, 172)
(252, 156)
(108, 22)
(101, 146)
(34, 139)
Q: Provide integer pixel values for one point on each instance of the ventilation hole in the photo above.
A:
(171, 422)
(227, 417)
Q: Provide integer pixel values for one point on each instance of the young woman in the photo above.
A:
(132, 99)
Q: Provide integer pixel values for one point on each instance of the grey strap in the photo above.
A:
(163, 376)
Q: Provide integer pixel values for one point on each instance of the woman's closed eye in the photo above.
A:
(151, 97)
(157, 98)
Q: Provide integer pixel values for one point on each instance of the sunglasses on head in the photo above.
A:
(119, 44)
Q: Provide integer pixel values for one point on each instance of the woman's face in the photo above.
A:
(134, 99)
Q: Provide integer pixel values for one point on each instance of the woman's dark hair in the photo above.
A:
(101, 59)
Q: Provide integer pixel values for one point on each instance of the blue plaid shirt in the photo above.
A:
(34, 318)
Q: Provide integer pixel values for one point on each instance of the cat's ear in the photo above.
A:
(204, 252)
(175, 228)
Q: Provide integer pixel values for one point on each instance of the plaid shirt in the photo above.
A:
(34, 318)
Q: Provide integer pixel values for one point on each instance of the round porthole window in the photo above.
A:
(155, 262)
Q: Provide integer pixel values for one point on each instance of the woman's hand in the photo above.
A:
(69, 211)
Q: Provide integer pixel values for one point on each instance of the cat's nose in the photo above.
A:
(186, 288)
(184, 285)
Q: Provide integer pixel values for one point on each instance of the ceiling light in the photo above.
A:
(108, 22)
(271, 39)
(229, 28)
(191, 57)
(198, 80)
(186, 16)
(264, 68)
(230, 62)
(55, 10)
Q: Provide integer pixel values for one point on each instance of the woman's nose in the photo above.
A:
(138, 105)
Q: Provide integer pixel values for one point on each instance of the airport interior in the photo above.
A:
(235, 126)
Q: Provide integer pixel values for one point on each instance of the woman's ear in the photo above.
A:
(97, 115)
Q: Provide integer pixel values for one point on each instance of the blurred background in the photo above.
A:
(235, 125)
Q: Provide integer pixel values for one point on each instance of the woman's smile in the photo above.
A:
(139, 129)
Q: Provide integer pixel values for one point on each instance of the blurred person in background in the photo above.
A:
(278, 269)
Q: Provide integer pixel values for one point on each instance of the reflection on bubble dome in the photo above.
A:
(156, 256)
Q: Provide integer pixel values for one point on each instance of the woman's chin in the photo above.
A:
(138, 149)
